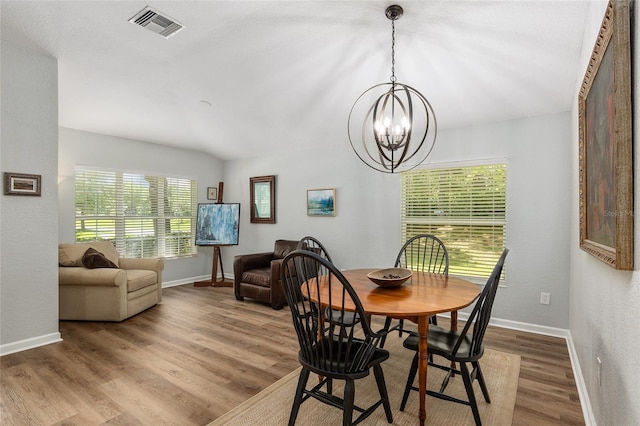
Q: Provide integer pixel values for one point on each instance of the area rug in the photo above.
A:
(272, 406)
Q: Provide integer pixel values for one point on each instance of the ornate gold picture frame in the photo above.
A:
(605, 138)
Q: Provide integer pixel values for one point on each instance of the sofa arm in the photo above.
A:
(150, 264)
(80, 276)
(278, 298)
(245, 262)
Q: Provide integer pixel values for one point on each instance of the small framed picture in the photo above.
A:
(321, 202)
(22, 184)
(212, 193)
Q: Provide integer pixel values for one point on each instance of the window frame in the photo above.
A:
(158, 214)
(455, 165)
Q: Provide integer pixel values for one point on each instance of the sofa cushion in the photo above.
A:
(94, 259)
(70, 254)
(283, 248)
(260, 277)
(138, 278)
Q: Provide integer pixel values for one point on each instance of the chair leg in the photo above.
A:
(433, 320)
(412, 375)
(297, 400)
(401, 327)
(349, 394)
(382, 388)
(468, 385)
(481, 382)
(387, 325)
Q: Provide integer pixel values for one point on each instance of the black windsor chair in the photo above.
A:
(426, 253)
(464, 347)
(328, 346)
(313, 245)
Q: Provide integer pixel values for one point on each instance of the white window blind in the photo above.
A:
(463, 206)
(143, 215)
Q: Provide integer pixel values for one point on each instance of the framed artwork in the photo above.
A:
(605, 144)
(22, 184)
(212, 193)
(263, 199)
(321, 202)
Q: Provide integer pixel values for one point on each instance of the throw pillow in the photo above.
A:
(94, 259)
(70, 254)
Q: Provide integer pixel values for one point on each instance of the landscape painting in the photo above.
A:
(321, 202)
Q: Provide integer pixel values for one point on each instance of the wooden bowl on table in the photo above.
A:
(390, 277)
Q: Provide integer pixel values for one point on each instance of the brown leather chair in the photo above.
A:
(257, 275)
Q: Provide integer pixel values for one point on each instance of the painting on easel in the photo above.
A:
(217, 224)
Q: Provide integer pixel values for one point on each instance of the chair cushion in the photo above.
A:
(70, 254)
(260, 277)
(283, 248)
(440, 341)
(138, 278)
(94, 259)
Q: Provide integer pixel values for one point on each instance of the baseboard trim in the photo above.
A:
(30, 343)
(585, 403)
(167, 284)
(587, 410)
(520, 326)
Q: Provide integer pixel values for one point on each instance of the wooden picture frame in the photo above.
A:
(605, 144)
(212, 193)
(22, 184)
(263, 199)
(321, 202)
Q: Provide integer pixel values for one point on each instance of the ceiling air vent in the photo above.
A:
(157, 22)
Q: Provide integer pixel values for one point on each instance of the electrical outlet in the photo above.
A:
(598, 370)
(545, 298)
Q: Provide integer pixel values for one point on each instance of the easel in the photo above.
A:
(217, 258)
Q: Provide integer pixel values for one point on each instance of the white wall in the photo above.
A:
(91, 149)
(366, 230)
(29, 225)
(605, 303)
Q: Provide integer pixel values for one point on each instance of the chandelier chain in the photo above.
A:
(393, 52)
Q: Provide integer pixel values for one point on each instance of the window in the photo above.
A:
(464, 206)
(143, 215)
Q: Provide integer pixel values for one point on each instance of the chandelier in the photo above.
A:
(392, 127)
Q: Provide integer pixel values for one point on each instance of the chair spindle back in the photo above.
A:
(311, 281)
(424, 252)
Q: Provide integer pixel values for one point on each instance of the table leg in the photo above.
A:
(423, 331)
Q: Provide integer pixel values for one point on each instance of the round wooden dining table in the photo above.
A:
(424, 295)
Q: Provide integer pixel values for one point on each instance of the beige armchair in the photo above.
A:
(105, 293)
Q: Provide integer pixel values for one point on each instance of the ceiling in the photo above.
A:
(250, 78)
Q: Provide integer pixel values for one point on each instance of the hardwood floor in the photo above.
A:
(200, 353)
